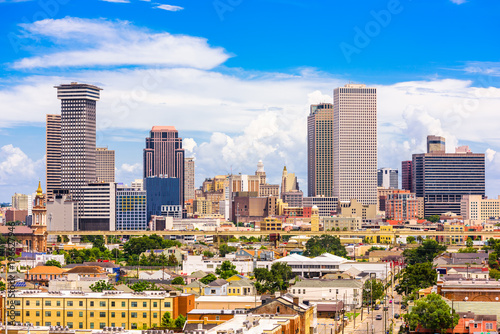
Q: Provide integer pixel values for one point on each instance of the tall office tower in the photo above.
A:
(189, 182)
(98, 207)
(436, 144)
(288, 182)
(320, 150)
(388, 178)
(78, 138)
(130, 209)
(20, 201)
(355, 143)
(53, 154)
(161, 191)
(105, 164)
(164, 155)
(442, 179)
(406, 174)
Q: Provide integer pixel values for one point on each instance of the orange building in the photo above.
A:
(43, 274)
(401, 205)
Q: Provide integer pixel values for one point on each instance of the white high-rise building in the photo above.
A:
(189, 183)
(388, 178)
(355, 143)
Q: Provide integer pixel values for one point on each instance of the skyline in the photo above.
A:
(270, 80)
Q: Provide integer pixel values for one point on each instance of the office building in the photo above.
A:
(97, 310)
(355, 143)
(477, 209)
(354, 208)
(293, 198)
(288, 182)
(160, 191)
(189, 179)
(60, 211)
(21, 201)
(164, 156)
(98, 207)
(320, 150)
(53, 153)
(130, 208)
(406, 175)
(401, 205)
(443, 178)
(105, 165)
(436, 144)
(327, 206)
(138, 184)
(388, 178)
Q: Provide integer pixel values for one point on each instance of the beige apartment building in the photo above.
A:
(105, 164)
(353, 208)
(476, 209)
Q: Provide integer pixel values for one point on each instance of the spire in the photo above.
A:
(39, 191)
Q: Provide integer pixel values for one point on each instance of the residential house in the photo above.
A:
(217, 288)
(236, 277)
(43, 274)
(195, 276)
(155, 275)
(378, 255)
(242, 287)
(329, 310)
(86, 271)
(348, 290)
(195, 287)
(261, 254)
(470, 323)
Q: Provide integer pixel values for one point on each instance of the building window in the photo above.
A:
(27, 303)
(112, 316)
(102, 325)
(123, 315)
(112, 304)
(133, 315)
(91, 314)
(144, 315)
(155, 315)
(91, 304)
(27, 313)
(47, 303)
(113, 324)
(123, 304)
(80, 303)
(167, 304)
(37, 313)
(70, 303)
(155, 304)
(37, 303)
(70, 314)
(133, 304)
(47, 323)
(80, 325)
(133, 325)
(80, 314)
(488, 325)
(58, 313)
(70, 325)
(102, 314)
(92, 325)
(102, 304)
(48, 314)
(144, 304)
(58, 303)
(217, 317)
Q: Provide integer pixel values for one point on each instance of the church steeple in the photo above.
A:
(39, 191)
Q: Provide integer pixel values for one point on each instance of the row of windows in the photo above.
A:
(101, 325)
(91, 303)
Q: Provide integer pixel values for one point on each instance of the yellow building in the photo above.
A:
(96, 310)
(271, 224)
(202, 206)
(382, 238)
(241, 287)
(314, 219)
(195, 287)
(454, 227)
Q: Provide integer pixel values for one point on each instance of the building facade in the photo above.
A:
(53, 153)
(401, 205)
(189, 179)
(327, 205)
(320, 150)
(130, 209)
(443, 178)
(478, 209)
(406, 175)
(160, 191)
(355, 143)
(164, 156)
(105, 165)
(388, 178)
(98, 208)
(60, 211)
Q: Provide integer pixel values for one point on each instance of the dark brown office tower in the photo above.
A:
(406, 175)
(164, 155)
(78, 138)
(53, 154)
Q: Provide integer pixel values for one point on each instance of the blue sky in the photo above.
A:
(236, 77)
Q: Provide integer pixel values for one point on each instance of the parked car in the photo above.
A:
(378, 317)
(403, 307)
(396, 316)
(377, 307)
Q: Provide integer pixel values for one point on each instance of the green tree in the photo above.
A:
(424, 253)
(276, 279)
(53, 263)
(410, 240)
(467, 250)
(417, 276)
(143, 286)
(208, 279)
(469, 243)
(208, 254)
(180, 321)
(172, 260)
(178, 281)
(432, 313)
(138, 246)
(325, 243)
(99, 243)
(433, 218)
(372, 290)
(166, 320)
(225, 249)
(226, 270)
(495, 274)
(100, 286)
(493, 260)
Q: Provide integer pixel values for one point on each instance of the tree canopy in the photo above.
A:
(433, 218)
(143, 286)
(226, 270)
(225, 249)
(178, 281)
(276, 279)
(140, 245)
(372, 290)
(53, 263)
(100, 286)
(417, 276)
(426, 252)
(433, 313)
(325, 243)
(208, 279)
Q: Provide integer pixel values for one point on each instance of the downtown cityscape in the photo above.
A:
(171, 169)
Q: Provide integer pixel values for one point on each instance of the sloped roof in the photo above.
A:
(331, 257)
(198, 274)
(293, 257)
(195, 284)
(218, 282)
(45, 270)
(241, 282)
(86, 270)
(326, 283)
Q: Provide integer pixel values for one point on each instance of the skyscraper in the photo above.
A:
(443, 178)
(388, 178)
(355, 143)
(320, 150)
(189, 180)
(164, 155)
(78, 139)
(105, 165)
(406, 175)
(53, 153)
(436, 144)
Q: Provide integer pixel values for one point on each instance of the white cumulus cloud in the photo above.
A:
(169, 8)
